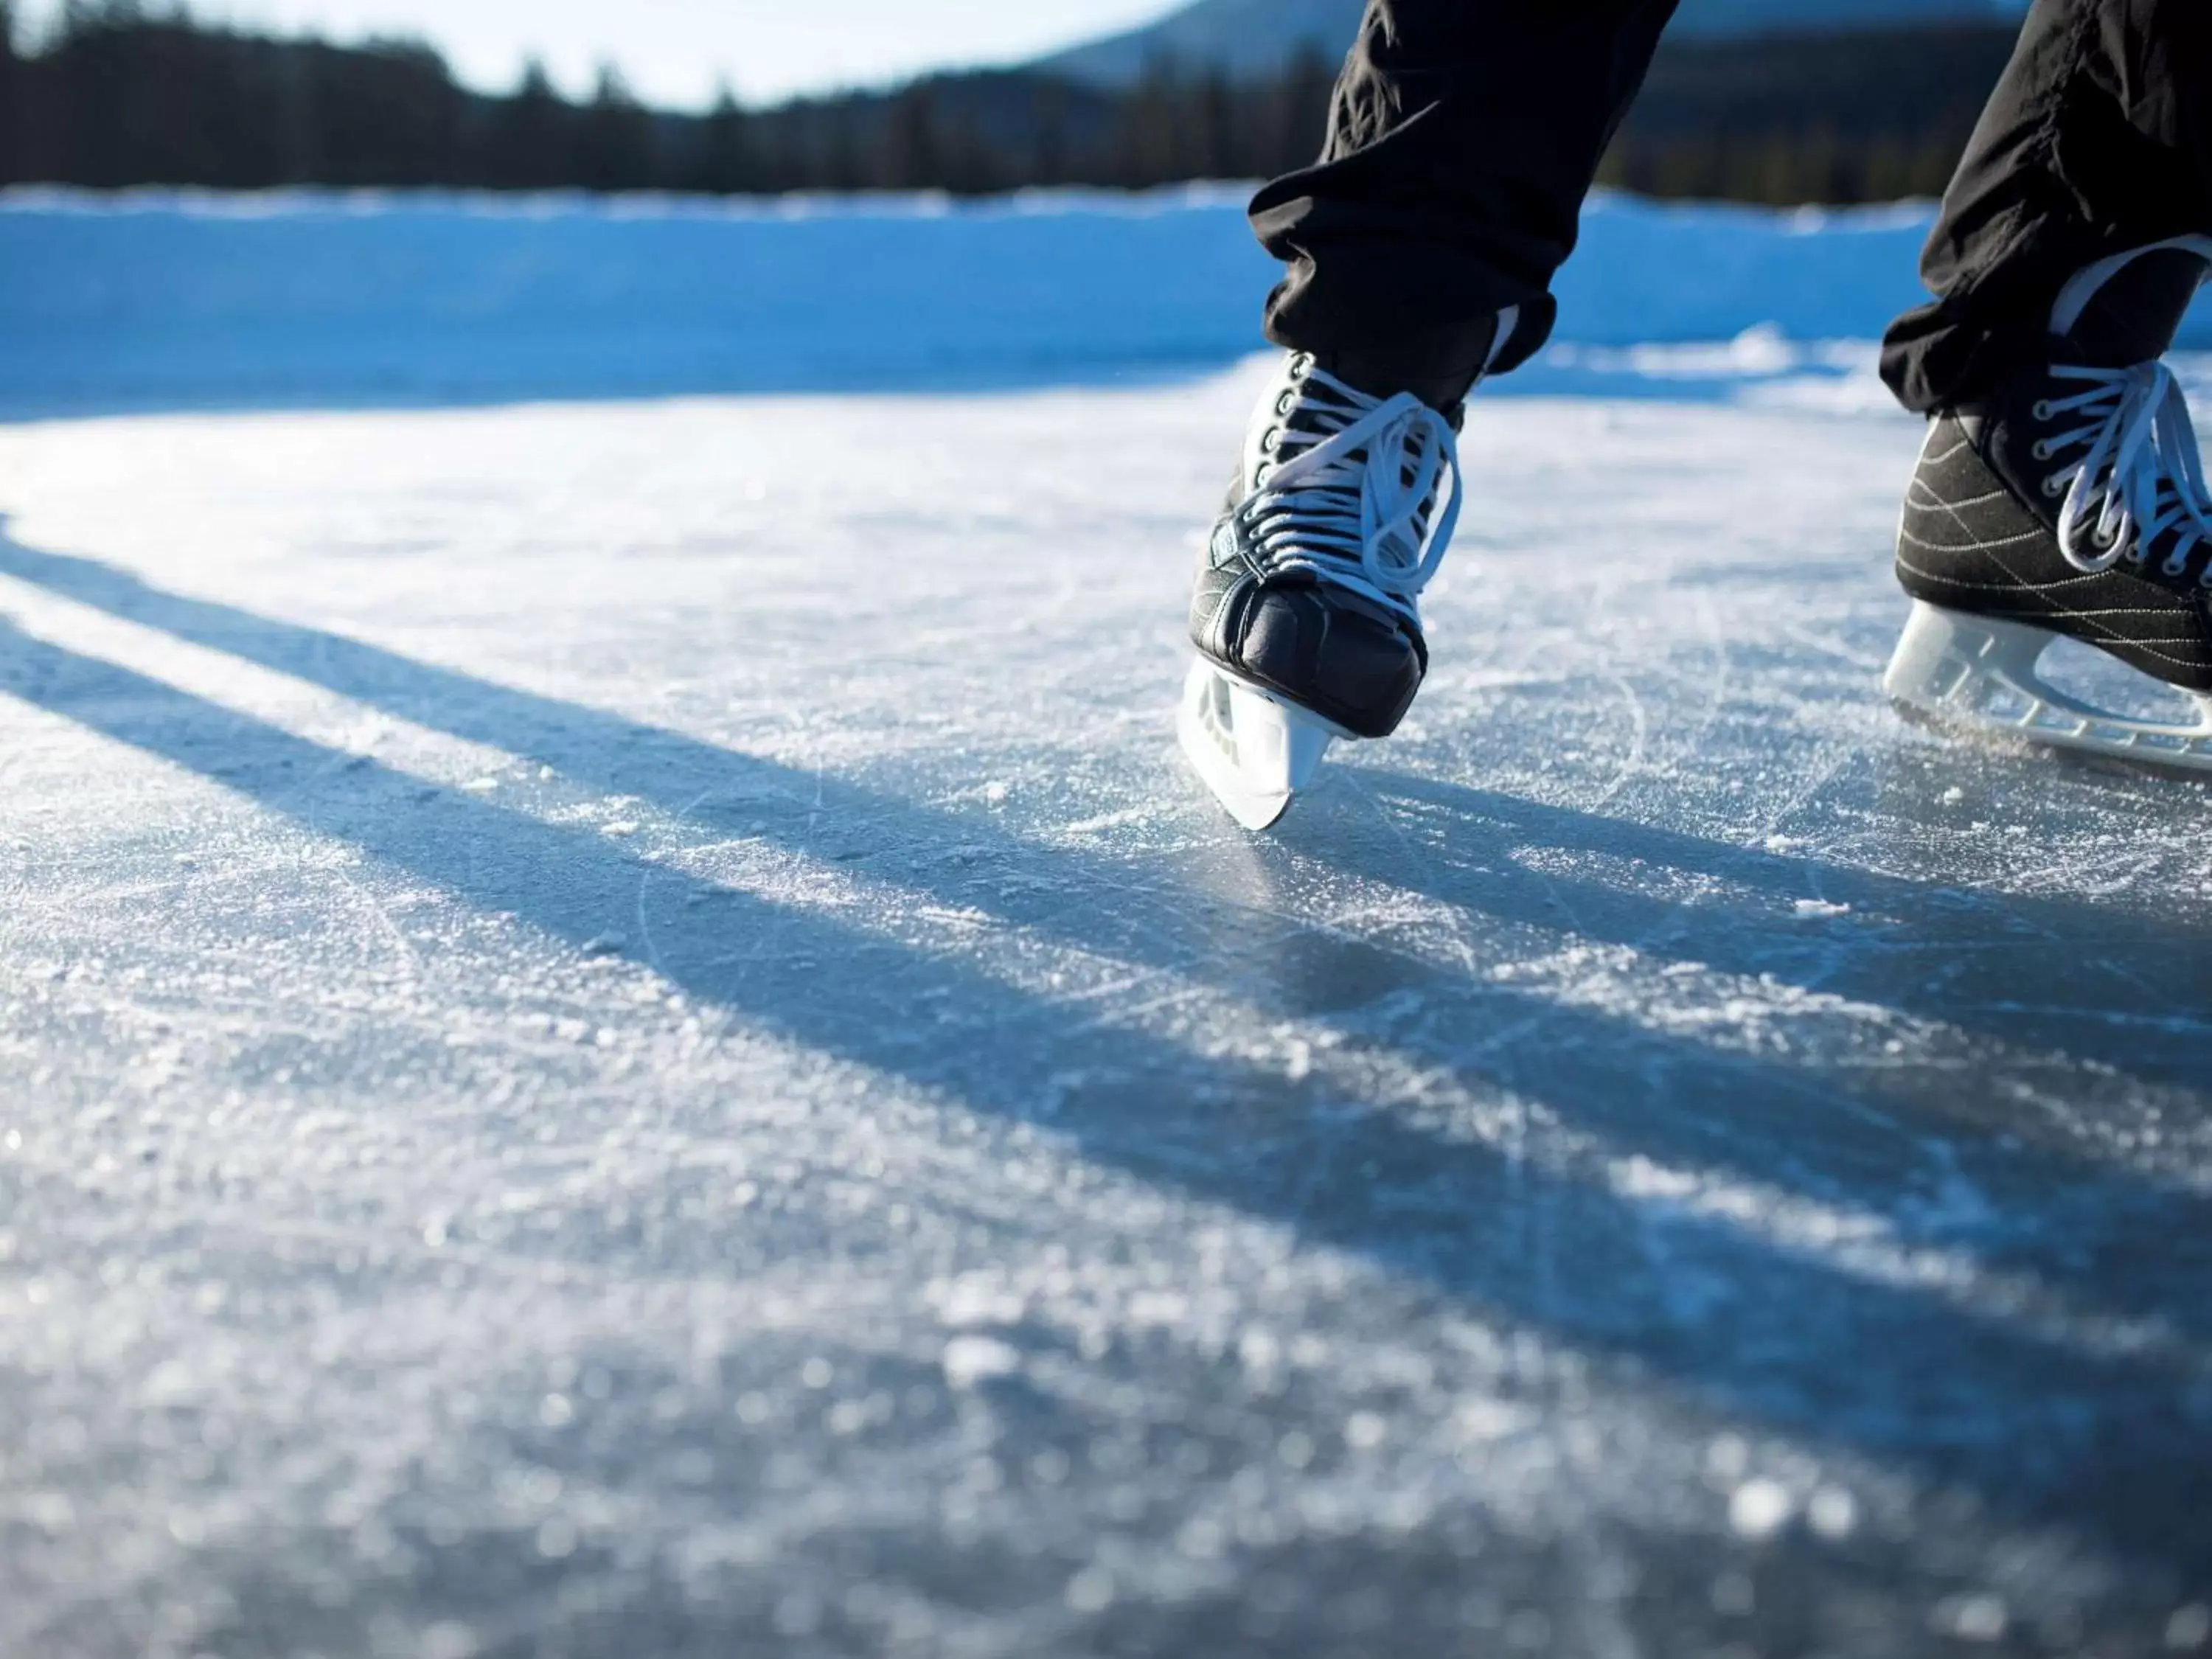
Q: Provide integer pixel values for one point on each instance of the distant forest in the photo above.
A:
(117, 95)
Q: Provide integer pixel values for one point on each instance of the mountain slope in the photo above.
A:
(1259, 37)
(1241, 37)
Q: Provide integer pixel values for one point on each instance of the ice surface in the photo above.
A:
(623, 1034)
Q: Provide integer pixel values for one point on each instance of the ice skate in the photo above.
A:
(1306, 614)
(2072, 501)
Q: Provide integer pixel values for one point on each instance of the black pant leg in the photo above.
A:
(2098, 138)
(1463, 139)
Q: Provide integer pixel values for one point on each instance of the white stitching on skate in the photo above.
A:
(1977, 545)
(2092, 619)
(1934, 499)
(2014, 586)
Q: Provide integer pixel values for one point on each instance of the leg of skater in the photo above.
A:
(2060, 490)
(1420, 251)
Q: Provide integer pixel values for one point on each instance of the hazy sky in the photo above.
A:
(673, 51)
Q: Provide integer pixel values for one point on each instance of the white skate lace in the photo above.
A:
(2140, 476)
(1367, 499)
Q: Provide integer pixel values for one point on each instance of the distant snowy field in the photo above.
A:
(620, 1032)
(168, 301)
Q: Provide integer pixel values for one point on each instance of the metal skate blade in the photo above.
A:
(1981, 673)
(1252, 752)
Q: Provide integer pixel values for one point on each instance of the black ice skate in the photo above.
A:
(1306, 614)
(2072, 501)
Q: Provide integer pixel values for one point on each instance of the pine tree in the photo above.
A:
(1213, 140)
(913, 152)
(532, 144)
(1152, 129)
(614, 139)
(1306, 92)
(11, 99)
(1050, 154)
(724, 163)
(837, 162)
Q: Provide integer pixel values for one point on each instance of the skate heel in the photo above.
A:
(1982, 672)
(1948, 657)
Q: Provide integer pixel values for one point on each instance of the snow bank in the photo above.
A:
(168, 299)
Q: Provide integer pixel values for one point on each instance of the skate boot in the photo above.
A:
(1306, 614)
(2071, 501)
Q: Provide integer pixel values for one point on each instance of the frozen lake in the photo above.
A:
(623, 1033)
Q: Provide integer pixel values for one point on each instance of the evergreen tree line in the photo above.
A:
(1835, 118)
(118, 97)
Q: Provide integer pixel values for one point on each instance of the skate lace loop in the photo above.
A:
(1364, 493)
(2141, 475)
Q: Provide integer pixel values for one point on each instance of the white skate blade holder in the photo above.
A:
(1981, 671)
(1253, 752)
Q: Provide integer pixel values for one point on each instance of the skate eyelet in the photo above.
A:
(1301, 366)
(2042, 410)
(2053, 488)
(1260, 473)
(1286, 403)
(2175, 567)
(2042, 450)
(1273, 440)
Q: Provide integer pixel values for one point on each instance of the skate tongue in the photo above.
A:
(2126, 309)
(1438, 365)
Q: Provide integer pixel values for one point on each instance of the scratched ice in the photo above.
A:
(621, 1034)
